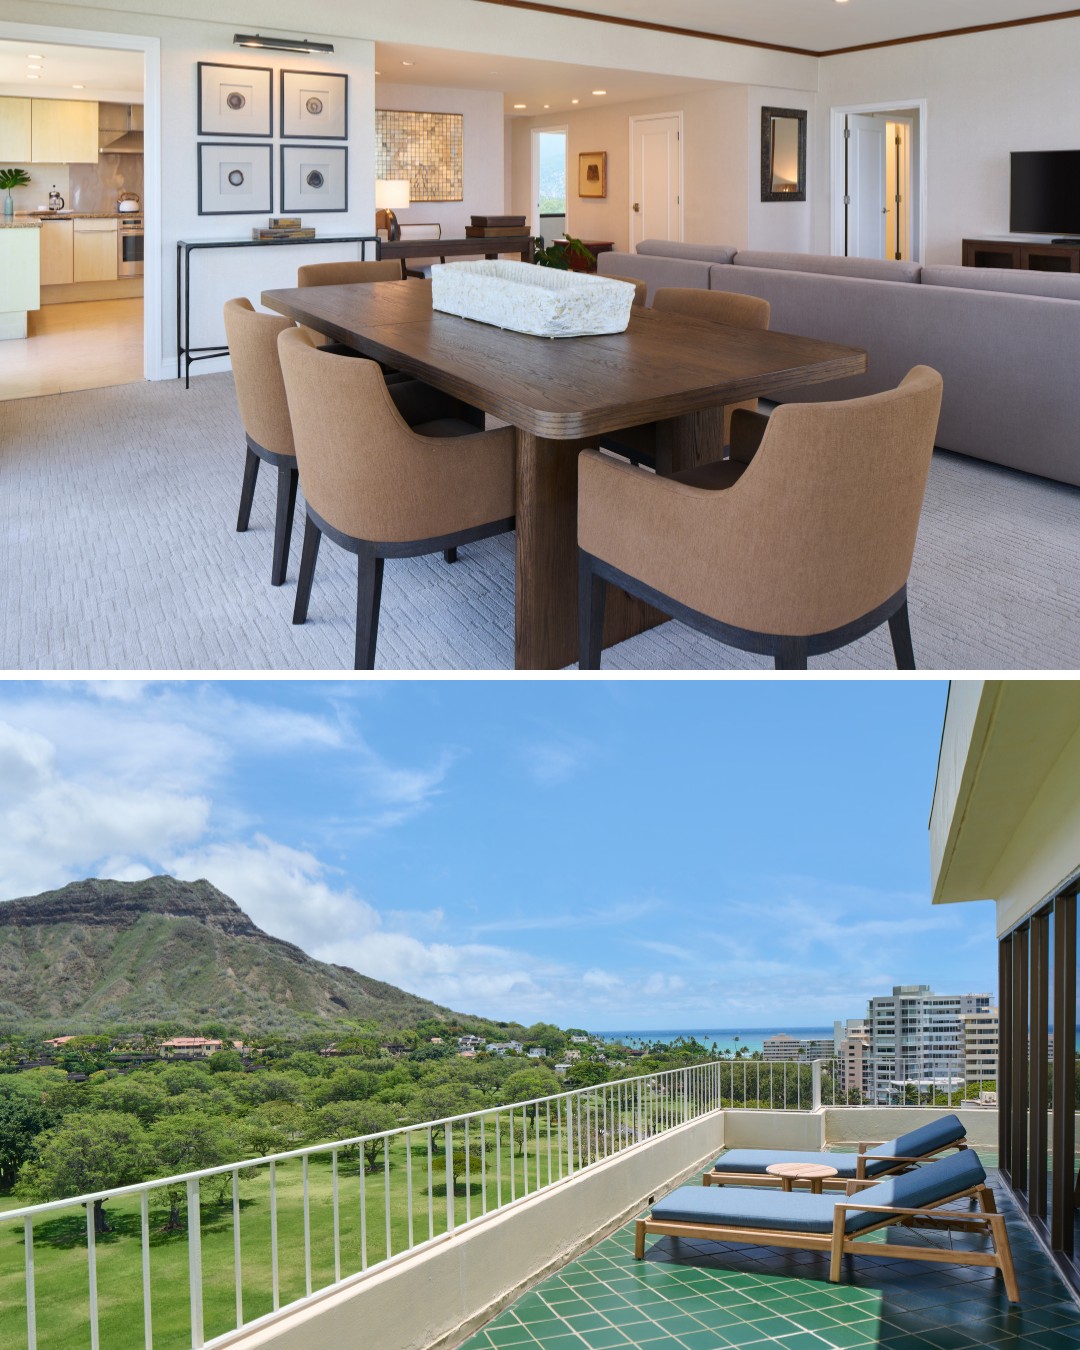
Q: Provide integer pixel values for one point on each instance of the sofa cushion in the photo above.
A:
(1055, 285)
(748, 1207)
(656, 271)
(869, 269)
(923, 1185)
(755, 1160)
(669, 248)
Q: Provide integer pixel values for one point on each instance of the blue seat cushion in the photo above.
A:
(798, 1212)
(924, 1185)
(748, 1207)
(926, 1139)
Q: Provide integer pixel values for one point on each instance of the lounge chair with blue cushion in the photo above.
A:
(835, 1223)
(746, 1166)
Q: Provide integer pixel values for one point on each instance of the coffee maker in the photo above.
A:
(56, 202)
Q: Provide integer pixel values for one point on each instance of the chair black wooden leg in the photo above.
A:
(286, 504)
(369, 574)
(312, 539)
(247, 492)
(592, 597)
(449, 555)
(900, 630)
(792, 654)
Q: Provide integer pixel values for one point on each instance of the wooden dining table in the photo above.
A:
(561, 395)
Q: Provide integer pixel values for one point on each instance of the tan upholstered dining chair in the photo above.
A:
(348, 273)
(638, 444)
(799, 544)
(378, 487)
(264, 413)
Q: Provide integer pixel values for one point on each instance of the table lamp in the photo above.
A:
(391, 194)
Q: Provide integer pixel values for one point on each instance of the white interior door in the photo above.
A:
(867, 209)
(655, 178)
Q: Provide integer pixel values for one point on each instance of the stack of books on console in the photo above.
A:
(496, 227)
(282, 227)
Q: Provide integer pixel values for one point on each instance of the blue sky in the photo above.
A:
(614, 854)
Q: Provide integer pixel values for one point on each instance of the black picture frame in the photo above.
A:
(265, 207)
(768, 194)
(308, 134)
(223, 129)
(292, 203)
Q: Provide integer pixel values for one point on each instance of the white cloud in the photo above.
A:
(556, 760)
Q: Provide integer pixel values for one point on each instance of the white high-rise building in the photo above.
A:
(917, 1038)
(851, 1041)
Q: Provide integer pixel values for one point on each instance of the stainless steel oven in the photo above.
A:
(129, 246)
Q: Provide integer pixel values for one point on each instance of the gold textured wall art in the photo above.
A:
(425, 148)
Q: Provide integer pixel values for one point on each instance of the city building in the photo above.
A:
(917, 1039)
(980, 1033)
(785, 1047)
(851, 1040)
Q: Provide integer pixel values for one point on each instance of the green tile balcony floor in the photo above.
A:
(712, 1296)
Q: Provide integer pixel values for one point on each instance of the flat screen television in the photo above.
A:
(1045, 192)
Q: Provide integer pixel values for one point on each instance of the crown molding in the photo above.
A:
(562, 11)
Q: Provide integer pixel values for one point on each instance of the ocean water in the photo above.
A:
(726, 1038)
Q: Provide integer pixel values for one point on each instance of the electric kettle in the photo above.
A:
(56, 202)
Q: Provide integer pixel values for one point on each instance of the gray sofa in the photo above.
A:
(1006, 343)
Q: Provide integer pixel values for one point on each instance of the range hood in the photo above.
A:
(120, 129)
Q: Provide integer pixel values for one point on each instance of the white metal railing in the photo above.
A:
(948, 1085)
(293, 1224)
(278, 1230)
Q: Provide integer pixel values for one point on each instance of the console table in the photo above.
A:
(1024, 256)
(185, 354)
(456, 248)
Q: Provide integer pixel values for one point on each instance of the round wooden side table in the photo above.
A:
(814, 1173)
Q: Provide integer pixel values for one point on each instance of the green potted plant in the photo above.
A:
(12, 178)
(559, 253)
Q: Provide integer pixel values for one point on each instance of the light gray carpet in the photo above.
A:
(118, 551)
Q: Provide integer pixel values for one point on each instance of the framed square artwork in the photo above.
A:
(314, 105)
(314, 178)
(235, 179)
(592, 174)
(235, 100)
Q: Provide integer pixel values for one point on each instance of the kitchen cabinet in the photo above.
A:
(15, 130)
(94, 254)
(57, 252)
(19, 288)
(63, 131)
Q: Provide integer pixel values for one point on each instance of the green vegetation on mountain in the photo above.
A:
(98, 954)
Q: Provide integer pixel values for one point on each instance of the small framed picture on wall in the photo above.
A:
(235, 100)
(592, 174)
(314, 178)
(235, 179)
(314, 105)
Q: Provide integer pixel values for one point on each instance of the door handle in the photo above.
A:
(637, 207)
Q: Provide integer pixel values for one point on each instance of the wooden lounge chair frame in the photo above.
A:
(840, 1243)
(712, 1178)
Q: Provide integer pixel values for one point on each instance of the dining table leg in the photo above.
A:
(546, 571)
(690, 440)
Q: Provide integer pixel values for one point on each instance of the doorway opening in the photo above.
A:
(879, 181)
(92, 309)
(549, 182)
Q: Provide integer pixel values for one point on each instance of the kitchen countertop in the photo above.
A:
(78, 215)
(17, 224)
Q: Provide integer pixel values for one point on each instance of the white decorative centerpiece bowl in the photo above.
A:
(542, 301)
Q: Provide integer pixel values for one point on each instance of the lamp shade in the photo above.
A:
(391, 194)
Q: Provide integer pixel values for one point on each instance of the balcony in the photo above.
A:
(528, 1245)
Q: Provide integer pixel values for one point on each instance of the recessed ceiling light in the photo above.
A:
(32, 66)
(378, 72)
(34, 56)
(575, 100)
(519, 105)
(78, 86)
(599, 93)
(546, 106)
(33, 77)
(408, 63)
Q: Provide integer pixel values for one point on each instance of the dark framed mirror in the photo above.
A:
(783, 154)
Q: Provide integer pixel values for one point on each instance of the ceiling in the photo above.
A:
(104, 74)
(543, 86)
(821, 25)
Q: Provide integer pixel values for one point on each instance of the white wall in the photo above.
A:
(714, 165)
(783, 226)
(988, 94)
(483, 169)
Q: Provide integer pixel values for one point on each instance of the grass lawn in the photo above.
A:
(60, 1256)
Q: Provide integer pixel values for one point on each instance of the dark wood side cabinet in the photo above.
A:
(1022, 256)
